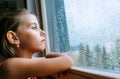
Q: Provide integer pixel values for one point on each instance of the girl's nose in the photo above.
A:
(42, 33)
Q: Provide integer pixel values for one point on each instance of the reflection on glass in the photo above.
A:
(94, 33)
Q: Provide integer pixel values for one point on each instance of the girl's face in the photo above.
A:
(31, 37)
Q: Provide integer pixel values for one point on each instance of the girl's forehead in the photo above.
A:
(29, 18)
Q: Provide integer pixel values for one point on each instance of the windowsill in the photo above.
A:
(93, 74)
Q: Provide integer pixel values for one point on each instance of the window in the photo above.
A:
(88, 30)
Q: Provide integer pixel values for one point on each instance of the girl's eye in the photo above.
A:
(34, 27)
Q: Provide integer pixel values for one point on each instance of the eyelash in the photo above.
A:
(34, 27)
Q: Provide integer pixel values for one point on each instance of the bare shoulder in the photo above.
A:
(20, 63)
(16, 62)
(7, 68)
(16, 67)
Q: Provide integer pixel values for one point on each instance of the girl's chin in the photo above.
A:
(42, 49)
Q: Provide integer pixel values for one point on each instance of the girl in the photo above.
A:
(20, 38)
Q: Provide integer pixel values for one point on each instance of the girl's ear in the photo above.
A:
(12, 37)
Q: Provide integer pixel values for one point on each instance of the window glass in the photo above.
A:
(94, 32)
(89, 30)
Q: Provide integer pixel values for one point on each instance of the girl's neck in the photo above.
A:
(25, 54)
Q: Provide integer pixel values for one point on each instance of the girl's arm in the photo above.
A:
(24, 67)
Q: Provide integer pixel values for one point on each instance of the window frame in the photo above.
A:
(83, 73)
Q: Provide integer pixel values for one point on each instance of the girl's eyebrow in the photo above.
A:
(36, 24)
(33, 23)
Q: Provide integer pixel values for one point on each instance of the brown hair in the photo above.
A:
(10, 21)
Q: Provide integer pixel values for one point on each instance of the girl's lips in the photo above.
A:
(44, 40)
